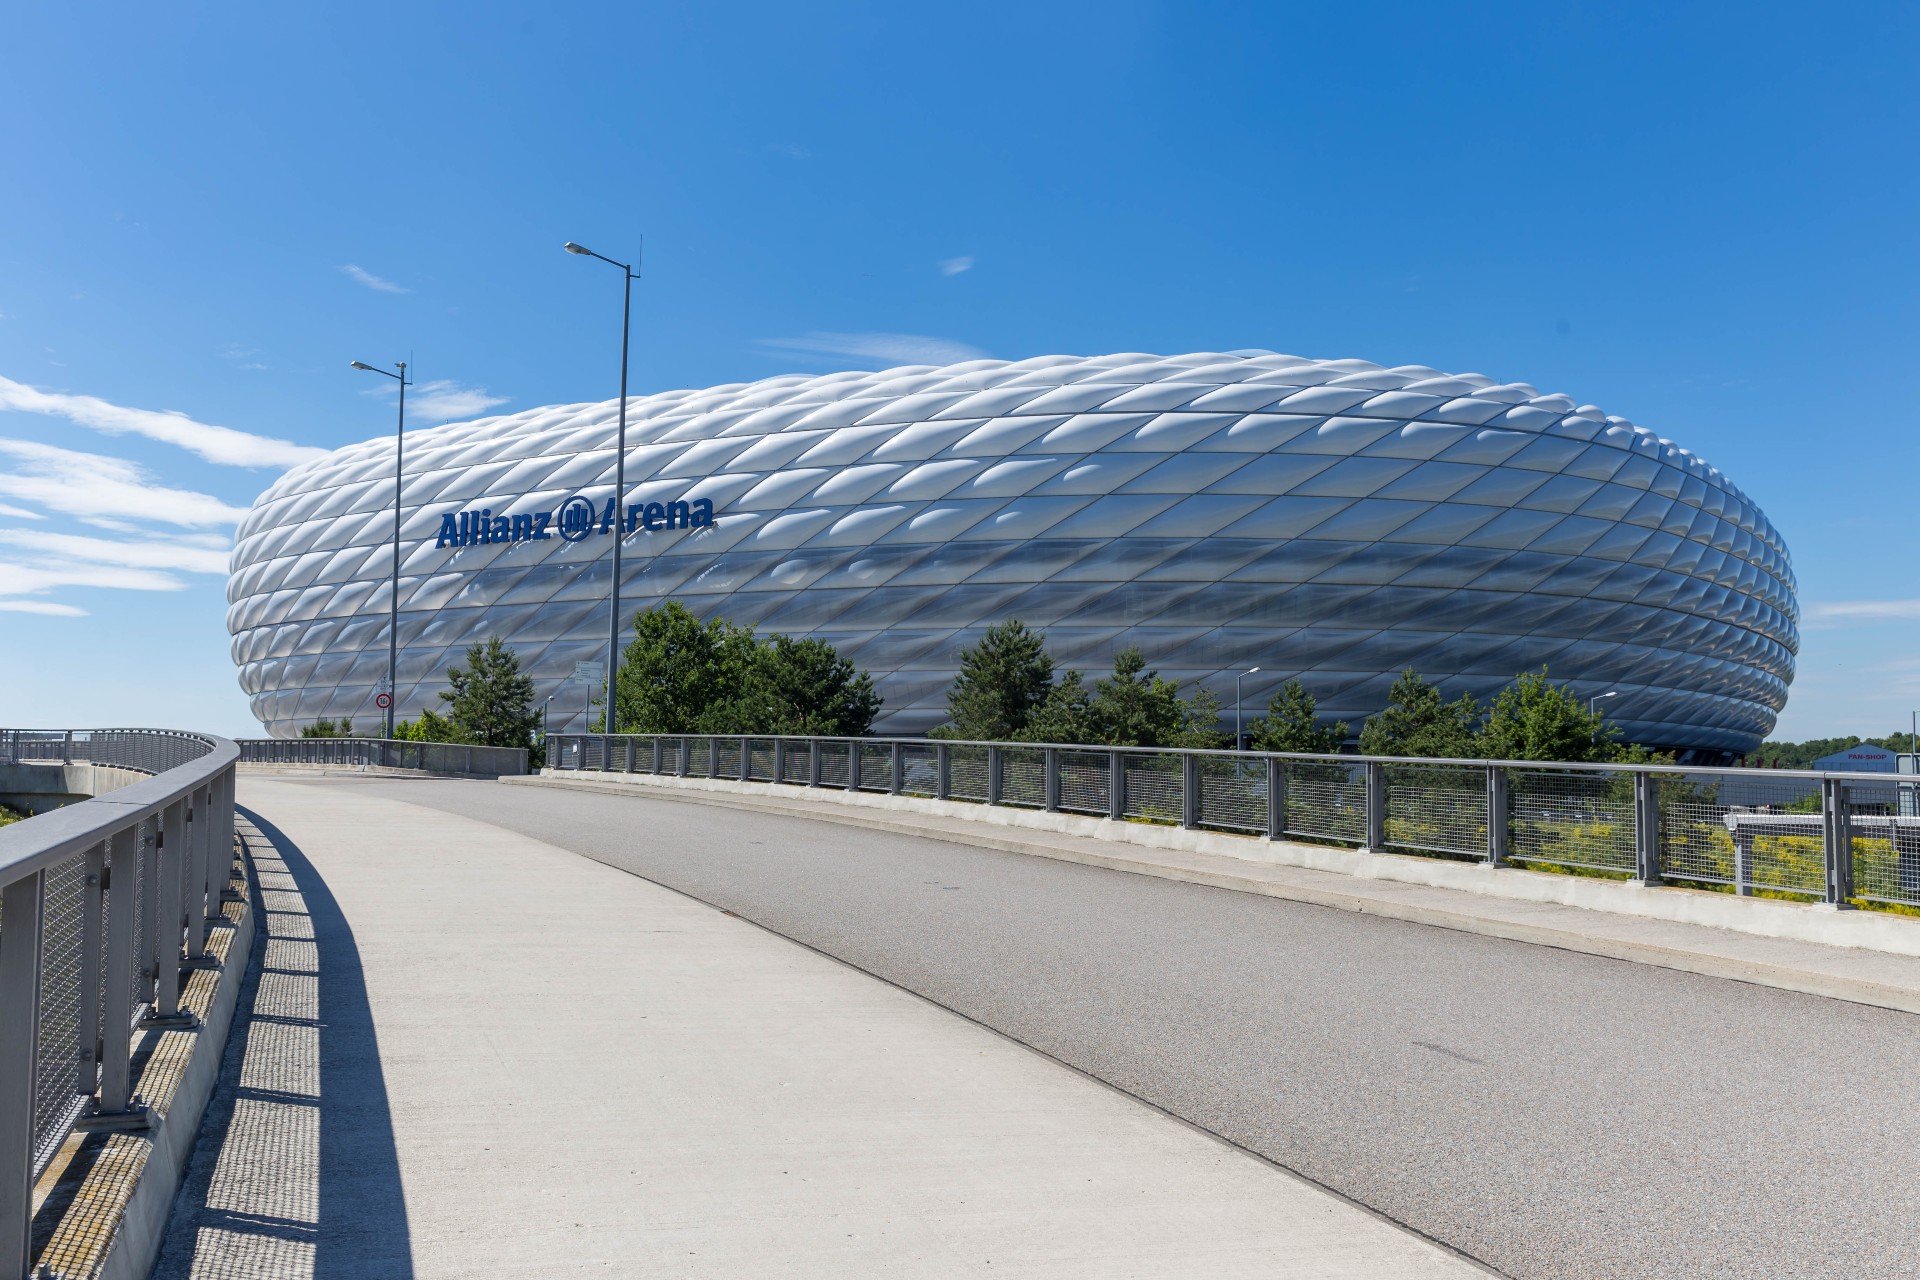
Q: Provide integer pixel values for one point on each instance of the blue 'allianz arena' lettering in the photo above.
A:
(574, 520)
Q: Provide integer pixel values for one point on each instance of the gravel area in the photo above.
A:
(1554, 1115)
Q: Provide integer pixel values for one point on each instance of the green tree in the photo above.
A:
(1534, 719)
(491, 701)
(429, 728)
(1066, 715)
(804, 686)
(325, 728)
(1417, 721)
(1291, 724)
(677, 670)
(1004, 680)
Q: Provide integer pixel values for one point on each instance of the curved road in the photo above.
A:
(1555, 1115)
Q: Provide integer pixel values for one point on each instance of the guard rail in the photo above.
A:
(1842, 839)
(382, 753)
(102, 904)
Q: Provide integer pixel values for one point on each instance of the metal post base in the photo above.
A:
(203, 962)
(136, 1117)
(185, 1020)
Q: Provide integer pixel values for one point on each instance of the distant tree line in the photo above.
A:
(1801, 755)
(1007, 690)
(681, 675)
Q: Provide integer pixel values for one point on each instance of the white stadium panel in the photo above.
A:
(1330, 519)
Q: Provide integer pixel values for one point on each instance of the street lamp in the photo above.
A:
(1611, 693)
(1238, 740)
(393, 610)
(619, 477)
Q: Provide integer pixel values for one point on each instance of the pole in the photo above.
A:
(619, 509)
(393, 615)
(1239, 729)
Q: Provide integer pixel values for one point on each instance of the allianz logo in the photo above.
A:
(574, 520)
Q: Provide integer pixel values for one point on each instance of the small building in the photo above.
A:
(1860, 759)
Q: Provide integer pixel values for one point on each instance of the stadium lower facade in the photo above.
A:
(1332, 520)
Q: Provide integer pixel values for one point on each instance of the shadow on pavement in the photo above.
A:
(295, 1173)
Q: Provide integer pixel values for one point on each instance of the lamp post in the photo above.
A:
(619, 477)
(1611, 693)
(1239, 739)
(393, 610)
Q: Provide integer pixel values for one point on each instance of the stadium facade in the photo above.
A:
(1330, 519)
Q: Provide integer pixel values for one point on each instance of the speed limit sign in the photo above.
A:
(383, 700)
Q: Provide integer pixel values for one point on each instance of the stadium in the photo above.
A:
(1334, 520)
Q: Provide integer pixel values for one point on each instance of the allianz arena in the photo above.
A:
(1330, 519)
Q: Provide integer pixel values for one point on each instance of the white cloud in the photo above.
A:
(47, 607)
(360, 275)
(186, 556)
(887, 348)
(440, 401)
(1862, 611)
(223, 445)
(954, 266)
(33, 579)
(102, 491)
(19, 513)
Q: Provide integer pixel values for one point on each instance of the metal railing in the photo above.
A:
(1842, 839)
(102, 904)
(381, 753)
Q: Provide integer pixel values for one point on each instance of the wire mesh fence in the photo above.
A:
(63, 989)
(1437, 808)
(968, 768)
(1233, 793)
(1085, 782)
(1571, 819)
(1326, 800)
(1154, 787)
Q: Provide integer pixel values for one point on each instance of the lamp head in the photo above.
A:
(357, 365)
(571, 247)
(1251, 670)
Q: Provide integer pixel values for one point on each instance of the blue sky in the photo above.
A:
(1698, 217)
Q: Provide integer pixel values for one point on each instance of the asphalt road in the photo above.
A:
(1555, 1115)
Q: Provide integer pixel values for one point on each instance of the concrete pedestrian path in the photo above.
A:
(474, 1054)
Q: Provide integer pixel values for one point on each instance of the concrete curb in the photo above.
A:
(1688, 945)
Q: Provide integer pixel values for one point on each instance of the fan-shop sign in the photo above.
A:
(575, 520)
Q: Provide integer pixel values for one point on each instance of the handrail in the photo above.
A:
(388, 753)
(1652, 823)
(101, 904)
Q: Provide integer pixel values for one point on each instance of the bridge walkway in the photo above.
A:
(468, 1052)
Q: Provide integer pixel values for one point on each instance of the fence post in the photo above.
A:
(942, 771)
(1836, 803)
(1498, 790)
(92, 942)
(1189, 791)
(116, 1029)
(166, 868)
(1050, 771)
(686, 750)
(626, 756)
(746, 759)
(813, 762)
(1116, 786)
(1276, 798)
(713, 757)
(897, 781)
(779, 759)
(655, 767)
(66, 747)
(1376, 807)
(995, 769)
(20, 902)
(187, 908)
(1646, 829)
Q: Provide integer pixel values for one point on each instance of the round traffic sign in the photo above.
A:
(383, 700)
